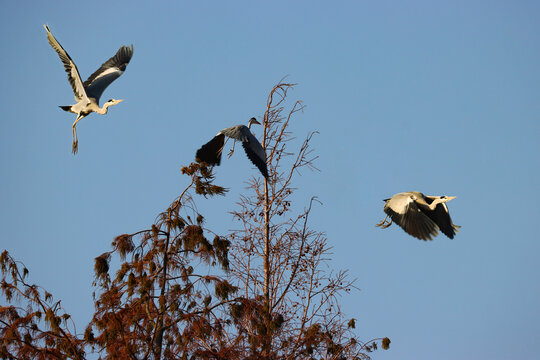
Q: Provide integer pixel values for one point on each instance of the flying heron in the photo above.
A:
(210, 152)
(87, 94)
(419, 215)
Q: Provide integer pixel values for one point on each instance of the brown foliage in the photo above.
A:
(21, 329)
(165, 308)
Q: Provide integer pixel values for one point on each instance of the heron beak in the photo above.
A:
(120, 100)
(451, 198)
(254, 121)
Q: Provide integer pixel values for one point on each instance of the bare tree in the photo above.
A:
(281, 265)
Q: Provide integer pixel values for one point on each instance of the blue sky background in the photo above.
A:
(440, 97)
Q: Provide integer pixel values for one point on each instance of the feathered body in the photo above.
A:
(87, 94)
(419, 215)
(210, 152)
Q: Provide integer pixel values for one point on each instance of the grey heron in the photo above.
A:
(419, 215)
(87, 94)
(210, 152)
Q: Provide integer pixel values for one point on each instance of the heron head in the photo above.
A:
(253, 121)
(445, 198)
(114, 101)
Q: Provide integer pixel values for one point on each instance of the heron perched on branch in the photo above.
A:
(210, 152)
(87, 94)
(419, 215)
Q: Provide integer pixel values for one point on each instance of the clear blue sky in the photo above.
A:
(440, 97)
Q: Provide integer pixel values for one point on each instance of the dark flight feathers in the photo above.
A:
(257, 161)
(210, 152)
(414, 222)
(441, 217)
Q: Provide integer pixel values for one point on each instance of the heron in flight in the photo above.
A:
(419, 215)
(210, 152)
(87, 94)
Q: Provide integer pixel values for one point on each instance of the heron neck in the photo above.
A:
(434, 204)
(103, 110)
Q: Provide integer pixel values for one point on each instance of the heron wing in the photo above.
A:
(441, 216)
(210, 152)
(404, 212)
(253, 148)
(108, 72)
(251, 145)
(74, 77)
(256, 154)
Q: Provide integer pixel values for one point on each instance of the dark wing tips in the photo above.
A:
(455, 229)
(123, 56)
(119, 60)
(256, 160)
(447, 230)
(451, 230)
(58, 48)
(210, 152)
(443, 220)
(49, 33)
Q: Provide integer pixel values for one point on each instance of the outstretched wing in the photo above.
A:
(411, 219)
(255, 153)
(210, 152)
(74, 77)
(442, 218)
(108, 72)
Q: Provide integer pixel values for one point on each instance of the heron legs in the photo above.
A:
(75, 147)
(384, 224)
(232, 150)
